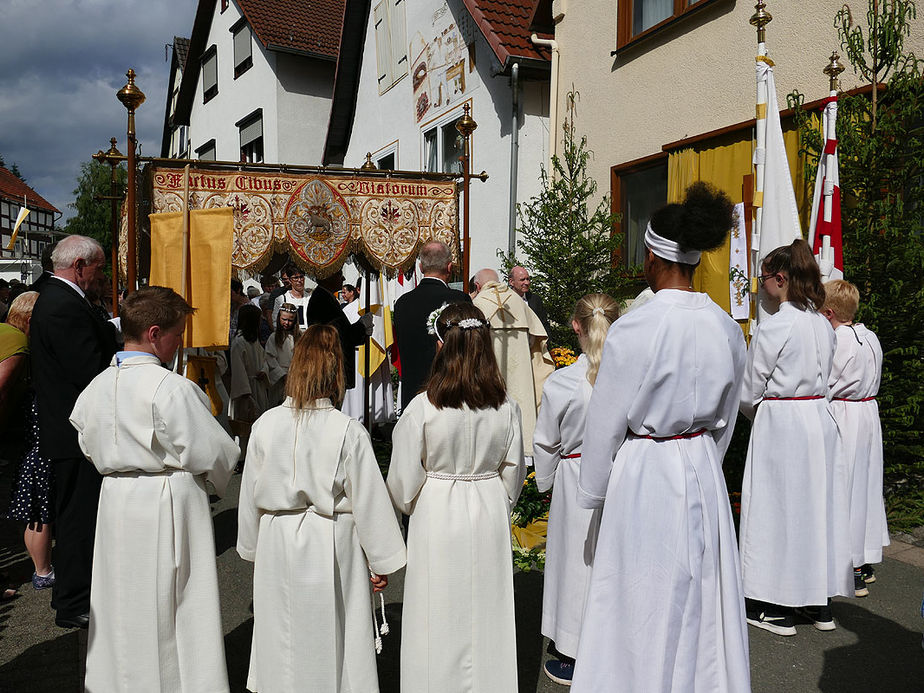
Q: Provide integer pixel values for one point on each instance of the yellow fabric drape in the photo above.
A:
(211, 233)
(203, 371)
(724, 162)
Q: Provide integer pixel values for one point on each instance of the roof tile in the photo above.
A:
(310, 26)
(13, 189)
(505, 24)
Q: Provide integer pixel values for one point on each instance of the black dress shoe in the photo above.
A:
(79, 621)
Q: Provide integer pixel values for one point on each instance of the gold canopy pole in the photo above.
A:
(466, 126)
(113, 157)
(131, 97)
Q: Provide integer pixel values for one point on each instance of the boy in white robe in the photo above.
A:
(155, 622)
(854, 384)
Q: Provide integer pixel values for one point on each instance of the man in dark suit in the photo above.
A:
(416, 346)
(70, 345)
(519, 282)
(324, 309)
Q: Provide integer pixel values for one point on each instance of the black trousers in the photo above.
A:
(77, 485)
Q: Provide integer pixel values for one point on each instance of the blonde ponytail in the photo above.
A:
(594, 313)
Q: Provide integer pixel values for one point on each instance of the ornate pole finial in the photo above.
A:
(130, 95)
(368, 165)
(466, 124)
(761, 18)
(833, 70)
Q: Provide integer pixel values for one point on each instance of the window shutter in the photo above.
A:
(241, 45)
(210, 72)
(251, 131)
(398, 39)
(382, 43)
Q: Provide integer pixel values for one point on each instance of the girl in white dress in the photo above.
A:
(665, 611)
(572, 530)
(854, 385)
(315, 518)
(279, 348)
(456, 468)
(794, 549)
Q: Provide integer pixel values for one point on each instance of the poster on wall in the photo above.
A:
(440, 63)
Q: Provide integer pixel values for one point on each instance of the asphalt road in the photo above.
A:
(876, 647)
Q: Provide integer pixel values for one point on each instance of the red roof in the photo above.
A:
(309, 26)
(13, 189)
(505, 24)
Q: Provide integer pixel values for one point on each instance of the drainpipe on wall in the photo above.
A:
(553, 98)
(514, 157)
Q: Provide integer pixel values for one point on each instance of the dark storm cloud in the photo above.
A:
(61, 63)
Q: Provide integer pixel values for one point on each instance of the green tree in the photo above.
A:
(93, 215)
(14, 169)
(570, 243)
(881, 164)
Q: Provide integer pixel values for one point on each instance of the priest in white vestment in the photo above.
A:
(315, 518)
(381, 390)
(155, 620)
(519, 345)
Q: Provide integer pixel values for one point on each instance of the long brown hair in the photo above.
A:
(279, 332)
(796, 260)
(594, 313)
(316, 370)
(465, 369)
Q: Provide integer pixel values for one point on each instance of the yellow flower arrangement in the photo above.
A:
(563, 356)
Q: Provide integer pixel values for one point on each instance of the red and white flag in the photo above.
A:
(825, 225)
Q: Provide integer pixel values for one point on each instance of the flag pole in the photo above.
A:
(833, 70)
(760, 19)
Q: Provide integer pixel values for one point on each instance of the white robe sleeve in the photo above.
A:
(768, 342)
(185, 428)
(730, 404)
(373, 514)
(618, 382)
(274, 371)
(248, 515)
(406, 473)
(843, 357)
(240, 382)
(513, 469)
(547, 437)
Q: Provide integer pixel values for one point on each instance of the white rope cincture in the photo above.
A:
(461, 477)
(379, 630)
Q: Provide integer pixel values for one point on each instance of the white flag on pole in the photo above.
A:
(780, 216)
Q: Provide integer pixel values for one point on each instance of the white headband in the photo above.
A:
(668, 249)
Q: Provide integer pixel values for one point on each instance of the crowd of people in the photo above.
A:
(645, 589)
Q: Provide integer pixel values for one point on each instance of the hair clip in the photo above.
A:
(598, 311)
(470, 323)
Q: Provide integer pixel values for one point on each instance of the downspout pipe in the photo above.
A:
(551, 44)
(514, 158)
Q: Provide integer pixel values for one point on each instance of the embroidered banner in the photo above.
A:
(319, 220)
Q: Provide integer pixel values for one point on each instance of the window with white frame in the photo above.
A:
(209, 74)
(243, 58)
(386, 158)
(390, 42)
(442, 147)
(251, 130)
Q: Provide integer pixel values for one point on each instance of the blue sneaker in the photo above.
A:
(559, 672)
(43, 582)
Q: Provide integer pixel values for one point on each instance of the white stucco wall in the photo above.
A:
(383, 119)
(293, 91)
(692, 78)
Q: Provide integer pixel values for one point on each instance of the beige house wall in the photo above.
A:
(693, 77)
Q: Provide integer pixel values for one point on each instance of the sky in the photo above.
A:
(61, 64)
